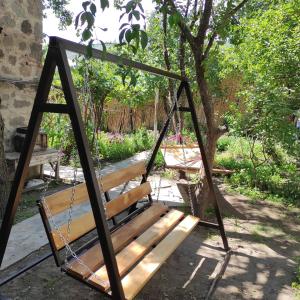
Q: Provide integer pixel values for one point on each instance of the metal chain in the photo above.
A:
(70, 210)
(66, 242)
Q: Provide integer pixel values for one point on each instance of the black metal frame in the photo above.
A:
(57, 57)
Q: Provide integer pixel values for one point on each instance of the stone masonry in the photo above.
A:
(20, 61)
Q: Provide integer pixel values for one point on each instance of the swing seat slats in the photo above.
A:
(123, 175)
(135, 280)
(79, 227)
(122, 202)
(131, 254)
(141, 245)
(60, 201)
(93, 257)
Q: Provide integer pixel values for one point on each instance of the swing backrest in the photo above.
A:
(59, 204)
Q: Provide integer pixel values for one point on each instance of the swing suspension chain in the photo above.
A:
(56, 227)
(70, 210)
(67, 245)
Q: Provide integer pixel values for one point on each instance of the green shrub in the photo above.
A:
(159, 160)
(115, 147)
(274, 179)
(223, 143)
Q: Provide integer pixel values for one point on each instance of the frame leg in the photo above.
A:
(206, 165)
(23, 165)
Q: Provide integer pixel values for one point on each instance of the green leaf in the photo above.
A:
(130, 6)
(85, 4)
(89, 49)
(136, 14)
(136, 27)
(93, 9)
(123, 25)
(174, 19)
(135, 32)
(104, 4)
(128, 35)
(103, 46)
(122, 15)
(83, 18)
(144, 39)
(121, 35)
(86, 34)
(141, 7)
(133, 79)
(77, 20)
(90, 19)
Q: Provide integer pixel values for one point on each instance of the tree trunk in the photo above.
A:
(204, 198)
(4, 181)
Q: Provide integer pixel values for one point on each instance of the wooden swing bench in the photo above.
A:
(141, 245)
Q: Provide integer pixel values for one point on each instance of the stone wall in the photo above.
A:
(20, 61)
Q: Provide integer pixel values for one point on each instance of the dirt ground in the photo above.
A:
(265, 241)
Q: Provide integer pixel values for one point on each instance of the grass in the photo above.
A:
(255, 194)
(273, 181)
(169, 174)
(28, 206)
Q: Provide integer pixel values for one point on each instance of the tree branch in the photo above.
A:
(226, 18)
(182, 25)
(204, 21)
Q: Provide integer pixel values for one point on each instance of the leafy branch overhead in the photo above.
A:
(131, 31)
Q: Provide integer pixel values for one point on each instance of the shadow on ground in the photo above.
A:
(264, 244)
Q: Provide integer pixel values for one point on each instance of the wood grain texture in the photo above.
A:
(131, 254)
(125, 200)
(93, 257)
(122, 175)
(60, 201)
(135, 280)
(85, 223)
(79, 226)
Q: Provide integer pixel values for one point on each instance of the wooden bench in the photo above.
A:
(39, 158)
(141, 245)
(190, 161)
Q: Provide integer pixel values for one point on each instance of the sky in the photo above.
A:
(108, 19)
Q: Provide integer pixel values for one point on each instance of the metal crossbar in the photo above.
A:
(115, 59)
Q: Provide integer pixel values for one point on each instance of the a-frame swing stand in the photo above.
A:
(57, 57)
